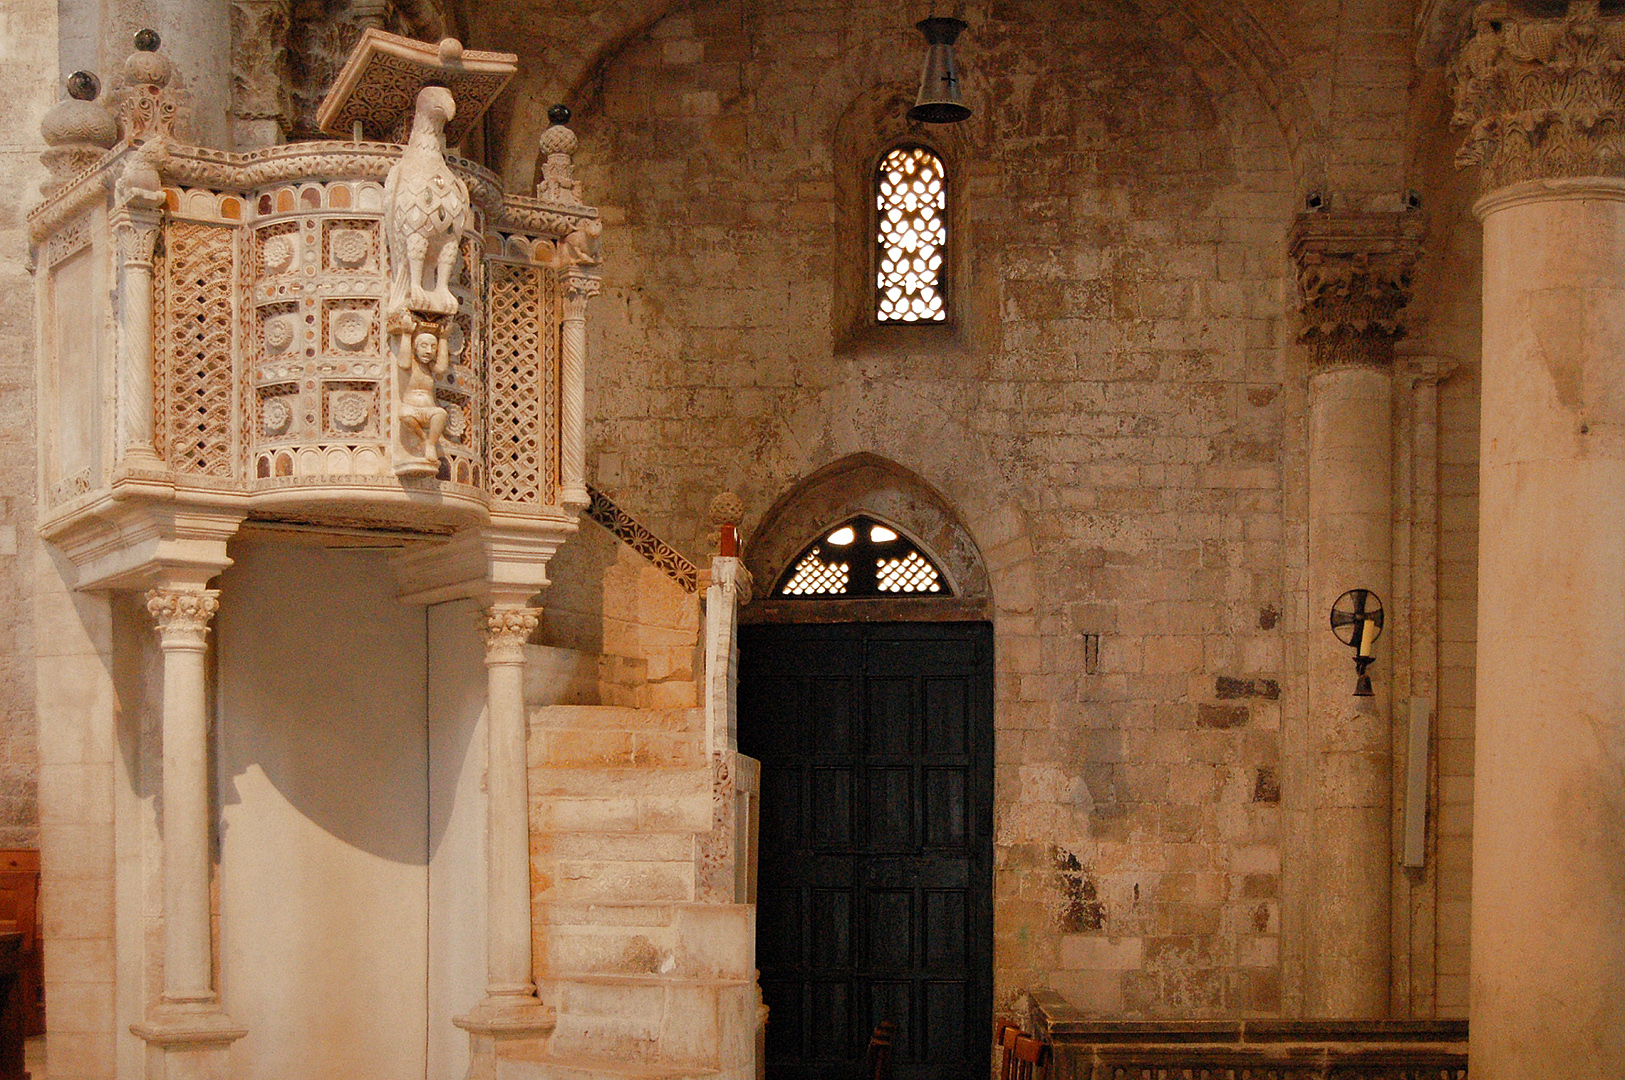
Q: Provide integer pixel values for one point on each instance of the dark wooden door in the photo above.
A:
(875, 886)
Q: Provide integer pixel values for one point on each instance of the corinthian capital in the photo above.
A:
(1354, 276)
(1541, 97)
(136, 232)
(506, 631)
(183, 615)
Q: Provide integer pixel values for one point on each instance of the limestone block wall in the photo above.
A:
(1118, 414)
(29, 29)
(1115, 416)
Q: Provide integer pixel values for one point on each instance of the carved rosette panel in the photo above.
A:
(1541, 98)
(522, 374)
(194, 331)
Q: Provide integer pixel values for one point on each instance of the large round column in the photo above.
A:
(1548, 935)
(1354, 275)
(1548, 940)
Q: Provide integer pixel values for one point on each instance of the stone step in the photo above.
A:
(661, 941)
(585, 1067)
(555, 676)
(616, 717)
(679, 1023)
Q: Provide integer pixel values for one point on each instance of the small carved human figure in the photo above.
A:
(428, 356)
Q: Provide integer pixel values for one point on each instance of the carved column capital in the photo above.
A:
(506, 631)
(1541, 97)
(183, 615)
(136, 231)
(1354, 280)
(580, 285)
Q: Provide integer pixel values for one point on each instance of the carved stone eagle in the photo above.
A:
(426, 212)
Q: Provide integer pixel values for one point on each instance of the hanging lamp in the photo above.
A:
(939, 101)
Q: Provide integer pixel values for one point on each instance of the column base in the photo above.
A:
(499, 1027)
(188, 1042)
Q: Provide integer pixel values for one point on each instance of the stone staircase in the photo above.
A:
(650, 970)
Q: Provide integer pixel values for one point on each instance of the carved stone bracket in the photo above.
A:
(1541, 97)
(1354, 276)
(183, 615)
(506, 631)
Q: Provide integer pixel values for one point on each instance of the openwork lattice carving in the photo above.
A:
(195, 348)
(521, 382)
(862, 558)
(912, 233)
(637, 536)
(910, 574)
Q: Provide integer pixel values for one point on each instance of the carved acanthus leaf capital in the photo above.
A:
(1541, 97)
(1354, 279)
(183, 615)
(580, 286)
(506, 631)
(136, 232)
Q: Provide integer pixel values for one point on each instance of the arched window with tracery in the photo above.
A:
(863, 557)
(911, 236)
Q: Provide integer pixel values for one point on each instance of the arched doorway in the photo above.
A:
(866, 691)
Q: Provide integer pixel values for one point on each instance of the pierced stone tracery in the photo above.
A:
(911, 231)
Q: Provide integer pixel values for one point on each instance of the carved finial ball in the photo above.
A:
(84, 86)
(146, 66)
(559, 114)
(726, 509)
(451, 50)
(558, 139)
(79, 120)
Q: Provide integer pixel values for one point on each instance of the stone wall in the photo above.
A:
(1113, 415)
(28, 28)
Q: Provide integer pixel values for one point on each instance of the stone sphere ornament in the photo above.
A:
(84, 86)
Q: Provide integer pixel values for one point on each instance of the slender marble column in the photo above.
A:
(1548, 934)
(1354, 275)
(187, 1032)
(508, 954)
(579, 287)
(136, 226)
(511, 1010)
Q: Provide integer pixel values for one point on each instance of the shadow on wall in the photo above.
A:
(322, 688)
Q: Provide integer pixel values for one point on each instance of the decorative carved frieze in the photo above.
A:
(506, 631)
(1541, 97)
(183, 615)
(637, 536)
(1354, 278)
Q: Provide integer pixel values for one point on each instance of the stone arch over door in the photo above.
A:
(865, 483)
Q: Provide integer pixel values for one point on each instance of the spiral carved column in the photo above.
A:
(579, 287)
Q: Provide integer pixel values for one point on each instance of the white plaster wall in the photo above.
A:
(456, 831)
(323, 788)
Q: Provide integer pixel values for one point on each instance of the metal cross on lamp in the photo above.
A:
(1357, 622)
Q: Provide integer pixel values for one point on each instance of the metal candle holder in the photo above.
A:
(1357, 622)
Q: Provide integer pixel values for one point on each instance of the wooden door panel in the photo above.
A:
(875, 900)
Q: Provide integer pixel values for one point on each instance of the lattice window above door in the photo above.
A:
(911, 234)
(862, 558)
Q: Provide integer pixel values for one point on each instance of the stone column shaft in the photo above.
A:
(1354, 275)
(508, 946)
(183, 622)
(1543, 99)
(579, 288)
(137, 232)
